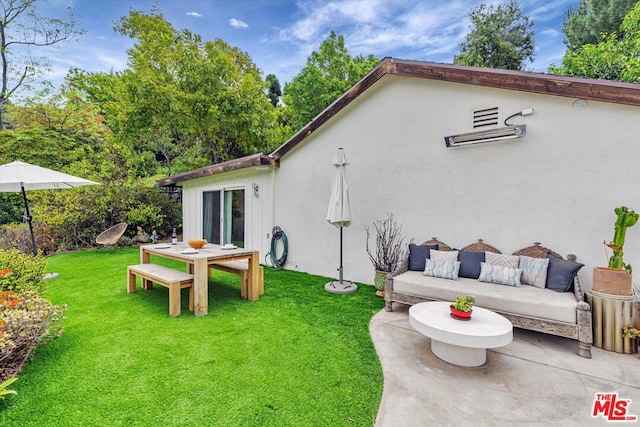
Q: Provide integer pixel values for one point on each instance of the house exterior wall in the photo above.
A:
(557, 186)
(258, 208)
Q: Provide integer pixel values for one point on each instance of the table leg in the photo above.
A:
(200, 287)
(457, 355)
(145, 257)
(254, 277)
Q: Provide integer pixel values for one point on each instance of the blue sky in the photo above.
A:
(279, 35)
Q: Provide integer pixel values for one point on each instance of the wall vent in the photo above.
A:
(485, 117)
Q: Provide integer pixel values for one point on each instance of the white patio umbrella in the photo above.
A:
(339, 214)
(19, 177)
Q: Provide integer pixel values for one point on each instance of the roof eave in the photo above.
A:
(254, 160)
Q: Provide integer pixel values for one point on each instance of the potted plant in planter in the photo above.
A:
(616, 279)
(387, 251)
(462, 307)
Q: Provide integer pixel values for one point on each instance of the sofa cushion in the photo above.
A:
(534, 271)
(499, 275)
(525, 300)
(470, 264)
(500, 259)
(561, 273)
(418, 254)
(443, 269)
(443, 255)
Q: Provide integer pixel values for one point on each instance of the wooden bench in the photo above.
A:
(241, 268)
(168, 277)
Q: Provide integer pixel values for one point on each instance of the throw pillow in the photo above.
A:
(534, 271)
(442, 269)
(443, 255)
(510, 261)
(418, 254)
(561, 273)
(500, 275)
(470, 264)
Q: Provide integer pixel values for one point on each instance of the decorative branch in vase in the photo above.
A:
(388, 251)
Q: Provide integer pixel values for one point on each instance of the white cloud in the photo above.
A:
(194, 14)
(236, 23)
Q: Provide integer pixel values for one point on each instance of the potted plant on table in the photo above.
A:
(387, 251)
(462, 307)
(616, 279)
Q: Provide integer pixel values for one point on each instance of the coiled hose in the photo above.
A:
(278, 262)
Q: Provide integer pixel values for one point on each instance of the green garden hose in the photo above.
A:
(278, 262)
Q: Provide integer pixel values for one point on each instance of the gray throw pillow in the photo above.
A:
(418, 255)
(470, 264)
(561, 273)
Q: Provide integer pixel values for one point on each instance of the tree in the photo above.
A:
(183, 101)
(500, 37)
(592, 18)
(611, 59)
(328, 74)
(274, 89)
(22, 28)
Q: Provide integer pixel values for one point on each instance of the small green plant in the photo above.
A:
(4, 391)
(625, 218)
(630, 332)
(464, 303)
(20, 272)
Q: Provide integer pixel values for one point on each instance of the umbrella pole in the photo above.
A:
(27, 216)
(341, 254)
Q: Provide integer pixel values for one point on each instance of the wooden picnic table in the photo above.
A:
(198, 264)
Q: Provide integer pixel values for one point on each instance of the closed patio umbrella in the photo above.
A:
(339, 214)
(19, 177)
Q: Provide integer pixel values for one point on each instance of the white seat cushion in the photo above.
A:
(526, 300)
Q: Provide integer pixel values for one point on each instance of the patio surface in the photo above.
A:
(537, 380)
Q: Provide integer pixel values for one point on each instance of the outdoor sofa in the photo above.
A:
(538, 295)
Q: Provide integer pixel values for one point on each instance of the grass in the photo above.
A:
(298, 356)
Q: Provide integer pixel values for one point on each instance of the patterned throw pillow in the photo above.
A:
(510, 261)
(500, 275)
(443, 255)
(442, 269)
(534, 271)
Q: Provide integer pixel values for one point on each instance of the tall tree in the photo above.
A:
(500, 37)
(275, 92)
(611, 59)
(22, 28)
(592, 18)
(184, 101)
(328, 74)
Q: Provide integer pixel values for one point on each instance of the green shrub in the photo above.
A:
(20, 272)
(25, 321)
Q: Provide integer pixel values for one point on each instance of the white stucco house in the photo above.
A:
(552, 157)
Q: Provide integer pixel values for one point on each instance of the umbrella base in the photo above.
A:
(341, 287)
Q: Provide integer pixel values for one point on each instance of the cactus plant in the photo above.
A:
(625, 218)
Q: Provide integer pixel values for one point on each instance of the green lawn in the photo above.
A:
(298, 356)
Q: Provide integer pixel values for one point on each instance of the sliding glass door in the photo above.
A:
(223, 216)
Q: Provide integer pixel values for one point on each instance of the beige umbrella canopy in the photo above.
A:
(20, 177)
(339, 214)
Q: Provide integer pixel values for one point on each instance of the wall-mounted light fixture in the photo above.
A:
(256, 190)
(488, 135)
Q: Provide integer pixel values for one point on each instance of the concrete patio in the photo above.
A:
(538, 379)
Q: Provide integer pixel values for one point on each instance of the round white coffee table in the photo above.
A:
(460, 342)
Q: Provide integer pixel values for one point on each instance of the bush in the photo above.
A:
(25, 321)
(20, 272)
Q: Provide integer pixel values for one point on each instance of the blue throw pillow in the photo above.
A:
(418, 256)
(470, 264)
(561, 273)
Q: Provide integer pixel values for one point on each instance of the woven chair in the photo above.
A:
(110, 236)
